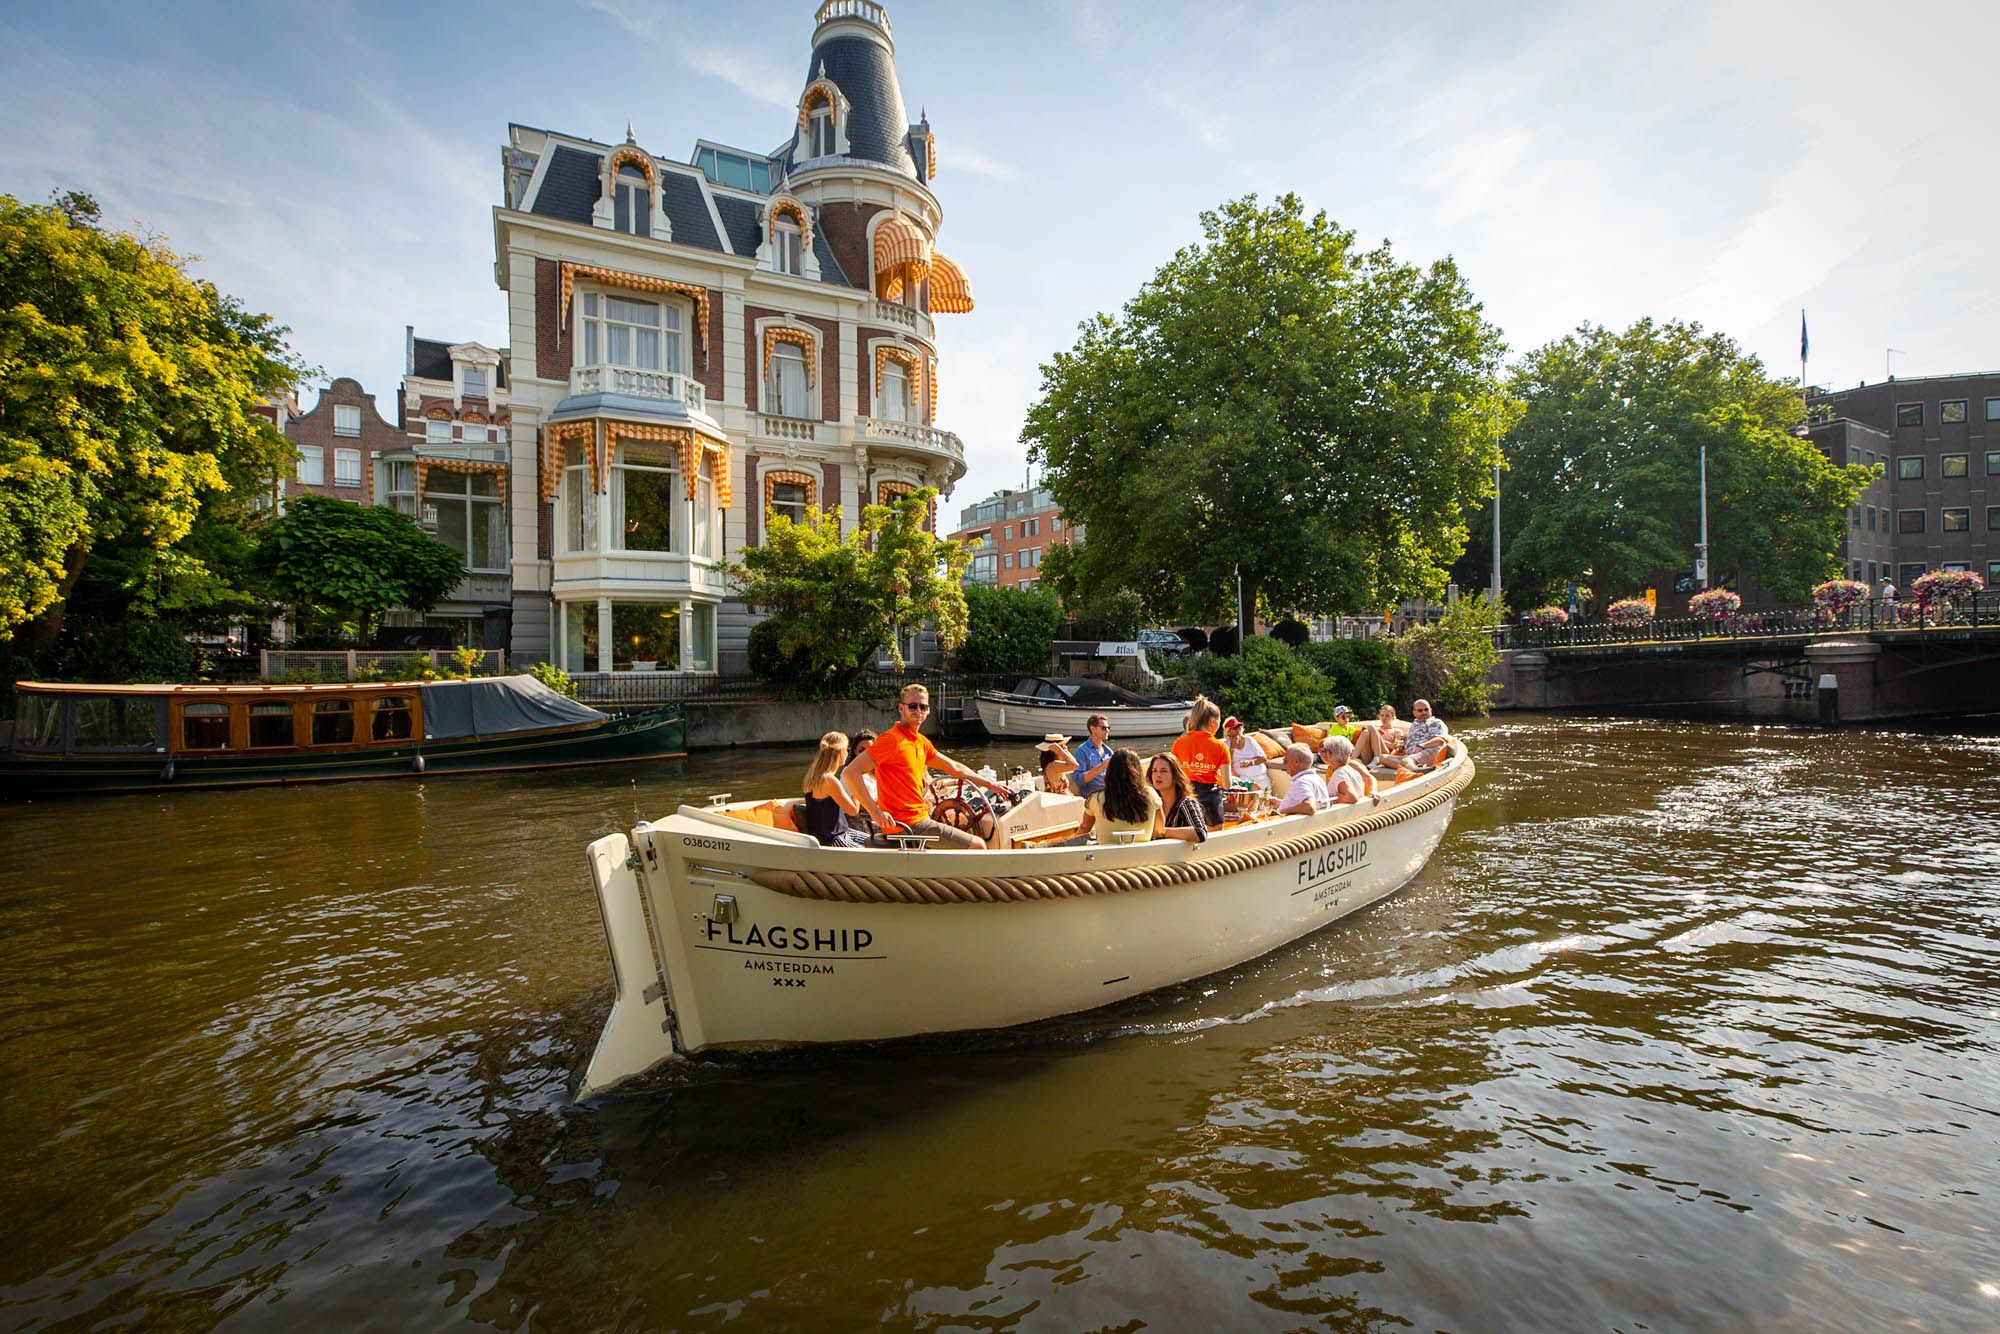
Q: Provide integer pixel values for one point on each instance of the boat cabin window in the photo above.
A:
(332, 722)
(117, 722)
(38, 722)
(205, 727)
(392, 718)
(271, 724)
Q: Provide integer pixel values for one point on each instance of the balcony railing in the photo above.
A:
(929, 439)
(902, 317)
(639, 384)
(866, 10)
(787, 428)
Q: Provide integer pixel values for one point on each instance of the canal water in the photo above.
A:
(1685, 1026)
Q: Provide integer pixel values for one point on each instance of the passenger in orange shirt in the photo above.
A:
(1205, 758)
(898, 760)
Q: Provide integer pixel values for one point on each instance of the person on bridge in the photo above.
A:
(1888, 602)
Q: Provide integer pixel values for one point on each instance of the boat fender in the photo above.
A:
(167, 771)
(417, 765)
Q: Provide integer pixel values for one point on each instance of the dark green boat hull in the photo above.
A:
(653, 735)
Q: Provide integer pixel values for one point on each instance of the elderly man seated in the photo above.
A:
(1424, 746)
(1308, 790)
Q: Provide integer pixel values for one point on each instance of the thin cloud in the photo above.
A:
(754, 78)
(979, 164)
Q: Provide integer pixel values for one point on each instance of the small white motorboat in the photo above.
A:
(729, 929)
(1039, 705)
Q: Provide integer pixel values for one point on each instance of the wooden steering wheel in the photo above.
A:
(949, 806)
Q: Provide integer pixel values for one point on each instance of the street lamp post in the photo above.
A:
(1701, 548)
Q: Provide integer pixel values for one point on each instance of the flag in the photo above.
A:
(1804, 342)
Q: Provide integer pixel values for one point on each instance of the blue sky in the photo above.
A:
(335, 164)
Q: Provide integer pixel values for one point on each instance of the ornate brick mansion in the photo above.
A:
(695, 342)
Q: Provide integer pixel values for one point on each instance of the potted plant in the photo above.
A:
(1939, 592)
(1717, 604)
(1630, 613)
(1837, 597)
(1545, 618)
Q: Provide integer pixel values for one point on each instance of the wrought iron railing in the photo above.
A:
(1971, 612)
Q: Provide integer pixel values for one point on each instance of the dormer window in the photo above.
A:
(787, 248)
(820, 130)
(632, 209)
(474, 380)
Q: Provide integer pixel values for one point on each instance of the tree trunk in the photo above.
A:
(41, 633)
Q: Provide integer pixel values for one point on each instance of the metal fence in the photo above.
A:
(1971, 612)
(628, 689)
(356, 663)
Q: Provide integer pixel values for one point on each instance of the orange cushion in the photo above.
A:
(1272, 750)
(1309, 737)
(785, 815)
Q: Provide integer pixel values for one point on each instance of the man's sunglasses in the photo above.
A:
(917, 708)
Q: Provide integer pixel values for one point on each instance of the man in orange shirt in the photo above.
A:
(898, 760)
(1205, 758)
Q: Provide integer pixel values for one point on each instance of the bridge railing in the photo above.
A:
(1973, 611)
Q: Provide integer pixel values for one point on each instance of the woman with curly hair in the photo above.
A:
(1183, 819)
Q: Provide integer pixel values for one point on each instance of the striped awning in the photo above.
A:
(902, 255)
(951, 294)
(637, 282)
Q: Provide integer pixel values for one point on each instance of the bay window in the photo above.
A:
(645, 490)
(579, 503)
(707, 525)
(399, 487)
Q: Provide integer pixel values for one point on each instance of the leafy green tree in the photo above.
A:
(1365, 673)
(835, 599)
(126, 436)
(1449, 659)
(1603, 480)
(1279, 398)
(1097, 612)
(1267, 684)
(345, 564)
(1008, 629)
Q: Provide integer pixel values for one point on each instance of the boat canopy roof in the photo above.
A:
(1084, 692)
(496, 705)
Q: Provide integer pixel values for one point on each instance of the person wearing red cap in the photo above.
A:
(1246, 757)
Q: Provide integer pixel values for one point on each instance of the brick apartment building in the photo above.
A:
(1937, 506)
(338, 443)
(1012, 529)
(697, 342)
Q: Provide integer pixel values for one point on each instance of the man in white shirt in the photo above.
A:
(1308, 790)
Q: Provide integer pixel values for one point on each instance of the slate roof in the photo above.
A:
(829, 267)
(865, 73)
(570, 186)
(432, 360)
(682, 196)
(739, 219)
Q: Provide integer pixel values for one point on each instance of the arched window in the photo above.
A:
(632, 208)
(787, 247)
(789, 494)
(892, 400)
(785, 391)
(820, 130)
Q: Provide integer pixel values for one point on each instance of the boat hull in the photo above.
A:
(728, 952)
(656, 734)
(1010, 718)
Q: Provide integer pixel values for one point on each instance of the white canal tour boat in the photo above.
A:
(727, 929)
(1039, 705)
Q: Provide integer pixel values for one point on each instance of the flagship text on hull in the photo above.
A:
(729, 929)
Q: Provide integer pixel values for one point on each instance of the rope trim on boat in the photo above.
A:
(1077, 884)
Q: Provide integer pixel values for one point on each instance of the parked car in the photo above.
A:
(1162, 641)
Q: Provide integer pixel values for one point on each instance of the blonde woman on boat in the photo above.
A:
(828, 803)
(1377, 741)
(1126, 805)
(1205, 758)
(1183, 818)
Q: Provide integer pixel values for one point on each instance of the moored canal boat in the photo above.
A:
(729, 929)
(134, 738)
(1039, 705)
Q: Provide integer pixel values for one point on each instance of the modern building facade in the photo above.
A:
(1937, 506)
(697, 342)
(1010, 531)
